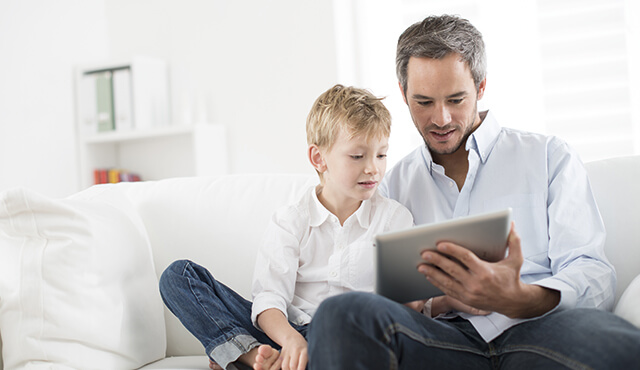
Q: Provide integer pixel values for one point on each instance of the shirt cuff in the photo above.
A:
(265, 301)
(568, 296)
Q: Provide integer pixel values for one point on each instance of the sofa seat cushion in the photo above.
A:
(78, 287)
(179, 363)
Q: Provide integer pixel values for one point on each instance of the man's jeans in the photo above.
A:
(364, 331)
(216, 315)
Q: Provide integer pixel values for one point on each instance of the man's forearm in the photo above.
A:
(535, 301)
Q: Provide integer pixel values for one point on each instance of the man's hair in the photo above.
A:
(355, 111)
(438, 36)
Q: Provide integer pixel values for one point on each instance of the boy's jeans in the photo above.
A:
(365, 331)
(216, 315)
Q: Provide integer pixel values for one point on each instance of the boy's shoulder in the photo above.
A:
(298, 212)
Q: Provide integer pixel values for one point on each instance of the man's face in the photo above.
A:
(442, 100)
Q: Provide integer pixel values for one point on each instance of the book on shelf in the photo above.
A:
(123, 96)
(113, 175)
(122, 104)
(104, 101)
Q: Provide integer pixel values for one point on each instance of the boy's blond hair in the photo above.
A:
(356, 111)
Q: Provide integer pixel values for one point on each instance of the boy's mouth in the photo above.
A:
(368, 184)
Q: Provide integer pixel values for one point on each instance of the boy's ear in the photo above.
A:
(316, 159)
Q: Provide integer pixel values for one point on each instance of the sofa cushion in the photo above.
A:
(77, 282)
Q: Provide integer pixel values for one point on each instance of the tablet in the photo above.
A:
(398, 252)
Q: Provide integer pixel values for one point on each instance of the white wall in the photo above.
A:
(254, 66)
(40, 41)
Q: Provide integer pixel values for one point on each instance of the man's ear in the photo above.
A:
(402, 92)
(483, 85)
(316, 159)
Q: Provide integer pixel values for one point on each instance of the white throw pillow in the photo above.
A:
(77, 283)
(628, 306)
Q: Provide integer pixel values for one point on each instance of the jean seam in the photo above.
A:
(401, 329)
(230, 337)
(548, 353)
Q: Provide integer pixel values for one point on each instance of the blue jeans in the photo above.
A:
(365, 331)
(216, 315)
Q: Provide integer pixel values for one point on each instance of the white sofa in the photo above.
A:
(139, 228)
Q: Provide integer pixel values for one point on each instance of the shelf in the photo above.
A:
(146, 134)
(140, 140)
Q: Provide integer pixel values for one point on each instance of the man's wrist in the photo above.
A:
(426, 308)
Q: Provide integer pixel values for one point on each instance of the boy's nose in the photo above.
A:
(371, 168)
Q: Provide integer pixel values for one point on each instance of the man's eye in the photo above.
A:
(425, 103)
(456, 101)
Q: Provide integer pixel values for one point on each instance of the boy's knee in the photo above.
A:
(175, 269)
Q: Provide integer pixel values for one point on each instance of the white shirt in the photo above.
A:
(307, 256)
(555, 213)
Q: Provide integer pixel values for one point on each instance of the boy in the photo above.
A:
(319, 247)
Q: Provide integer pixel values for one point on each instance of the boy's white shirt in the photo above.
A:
(306, 255)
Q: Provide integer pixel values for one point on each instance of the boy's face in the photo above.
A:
(442, 100)
(354, 168)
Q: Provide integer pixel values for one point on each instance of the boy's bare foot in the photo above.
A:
(214, 366)
(268, 358)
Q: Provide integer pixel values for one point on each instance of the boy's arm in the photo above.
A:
(294, 347)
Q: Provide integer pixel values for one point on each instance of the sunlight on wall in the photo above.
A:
(567, 68)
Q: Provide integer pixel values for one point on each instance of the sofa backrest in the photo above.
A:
(615, 182)
(216, 222)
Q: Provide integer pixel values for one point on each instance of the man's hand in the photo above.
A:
(444, 304)
(487, 286)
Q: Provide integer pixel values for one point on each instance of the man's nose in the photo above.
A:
(441, 116)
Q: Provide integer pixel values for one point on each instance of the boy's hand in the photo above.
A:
(294, 353)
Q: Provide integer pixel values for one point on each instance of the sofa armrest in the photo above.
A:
(628, 306)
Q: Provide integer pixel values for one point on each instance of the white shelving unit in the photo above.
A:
(154, 150)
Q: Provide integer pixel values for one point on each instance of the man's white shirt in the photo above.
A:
(555, 213)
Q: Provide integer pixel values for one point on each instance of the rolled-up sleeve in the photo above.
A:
(275, 271)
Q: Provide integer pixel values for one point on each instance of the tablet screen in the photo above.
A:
(398, 252)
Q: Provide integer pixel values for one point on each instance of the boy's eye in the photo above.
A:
(382, 156)
(356, 156)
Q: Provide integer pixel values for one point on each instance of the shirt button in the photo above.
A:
(451, 184)
(334, 274)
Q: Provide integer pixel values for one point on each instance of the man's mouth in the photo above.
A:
(442, 135)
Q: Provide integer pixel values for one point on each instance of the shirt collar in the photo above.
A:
(318, 214)
(481, 140)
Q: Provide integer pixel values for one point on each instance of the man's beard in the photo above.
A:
(469, 130)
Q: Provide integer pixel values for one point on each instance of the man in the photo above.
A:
(545, 304)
